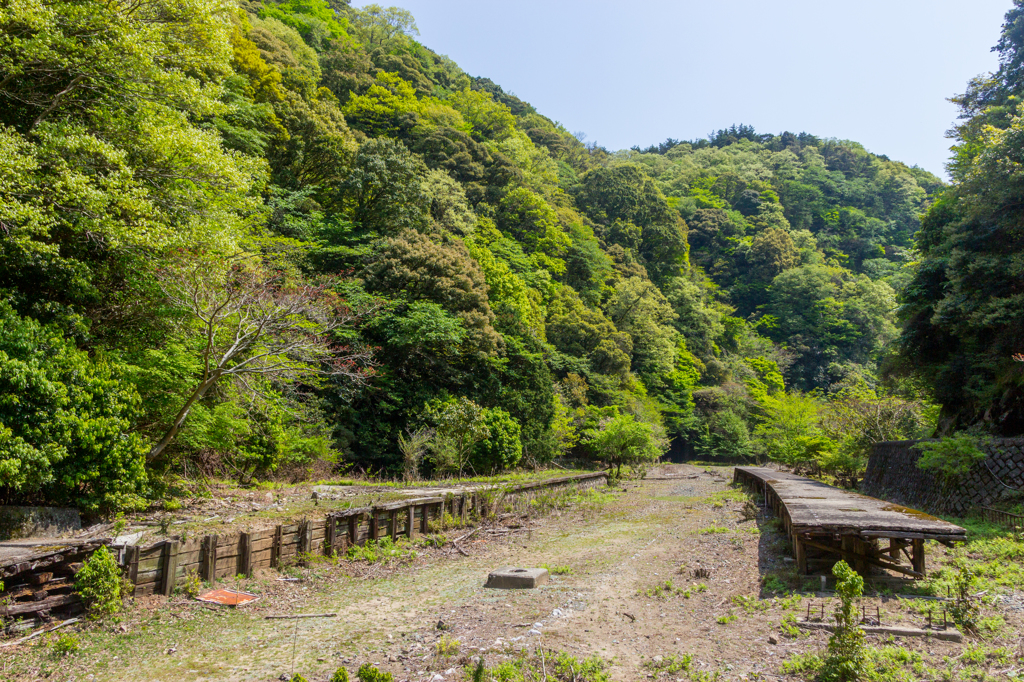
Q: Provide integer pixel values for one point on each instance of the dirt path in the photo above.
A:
(663, 529)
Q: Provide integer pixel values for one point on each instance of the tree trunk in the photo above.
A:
(179, 419)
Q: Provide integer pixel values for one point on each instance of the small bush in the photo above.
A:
(298, 678)
(845, 660)
(340, 675)
(191, 585)
(447, 647)
(100, 584)
(66, 644)
(368, 673)
(964, 609)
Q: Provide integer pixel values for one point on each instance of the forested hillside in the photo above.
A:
(275, 238)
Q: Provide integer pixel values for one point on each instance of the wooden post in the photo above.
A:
(373, 524)
(353, 529)
(410, 522)
(209, 572)
(170, 567)
(246, 554)
(424, 519)
(917, 558)
(131, 555)
(329, 524)
(275, 548)
(894, 549)
(305, 536)
(800, 554)
(393, 524)
(464, 508)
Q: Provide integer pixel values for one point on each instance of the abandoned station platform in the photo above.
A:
(825, 524)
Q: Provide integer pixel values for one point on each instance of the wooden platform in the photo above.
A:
(826, 523)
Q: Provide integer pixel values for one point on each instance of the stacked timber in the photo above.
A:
(39, 585)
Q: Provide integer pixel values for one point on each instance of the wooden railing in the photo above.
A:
(1012, 521)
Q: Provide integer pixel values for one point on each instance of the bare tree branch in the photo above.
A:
(253, 323)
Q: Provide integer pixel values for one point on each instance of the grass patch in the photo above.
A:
(383, 550)
(541, 666)
(558, 570)
(713, 530)
(670, 664)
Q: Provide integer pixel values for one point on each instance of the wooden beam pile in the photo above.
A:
(39, 585)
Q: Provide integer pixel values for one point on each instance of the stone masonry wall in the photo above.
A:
(892, 474)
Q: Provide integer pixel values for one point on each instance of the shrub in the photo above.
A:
(100, 584)
(845, 660)
(66, 421)
(66, 644)
(191, 585)
(368, 673)
(503, 448)
(447, 647)
(340, 675)
(964, 609)
(951, 458)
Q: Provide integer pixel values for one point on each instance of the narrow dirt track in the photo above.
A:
(684, 519)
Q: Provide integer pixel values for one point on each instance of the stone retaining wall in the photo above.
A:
(892, 474)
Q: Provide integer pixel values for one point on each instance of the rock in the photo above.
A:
(441, 625)
(658, 659)
(449, 671)
(533, 632)
(772, 640)
(268, 498)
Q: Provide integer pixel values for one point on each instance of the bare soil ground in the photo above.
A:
(680, 520)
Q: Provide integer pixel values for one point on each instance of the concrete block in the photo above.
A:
(513, 578)
(37, 522)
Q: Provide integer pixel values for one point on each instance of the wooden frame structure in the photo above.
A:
(825, 524)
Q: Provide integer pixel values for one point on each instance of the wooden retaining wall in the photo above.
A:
(38, 583)
(157, 568)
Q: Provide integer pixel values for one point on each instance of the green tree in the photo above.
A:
(503, 448)
(66, 422)
(624, 440)
(383, 192)
(789, 431)
(459, 426)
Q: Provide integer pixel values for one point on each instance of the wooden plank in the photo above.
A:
(22, 608)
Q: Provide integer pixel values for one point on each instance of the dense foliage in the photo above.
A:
(247, 240)
(963, 312)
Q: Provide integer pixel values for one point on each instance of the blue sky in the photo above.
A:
(636, 73)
